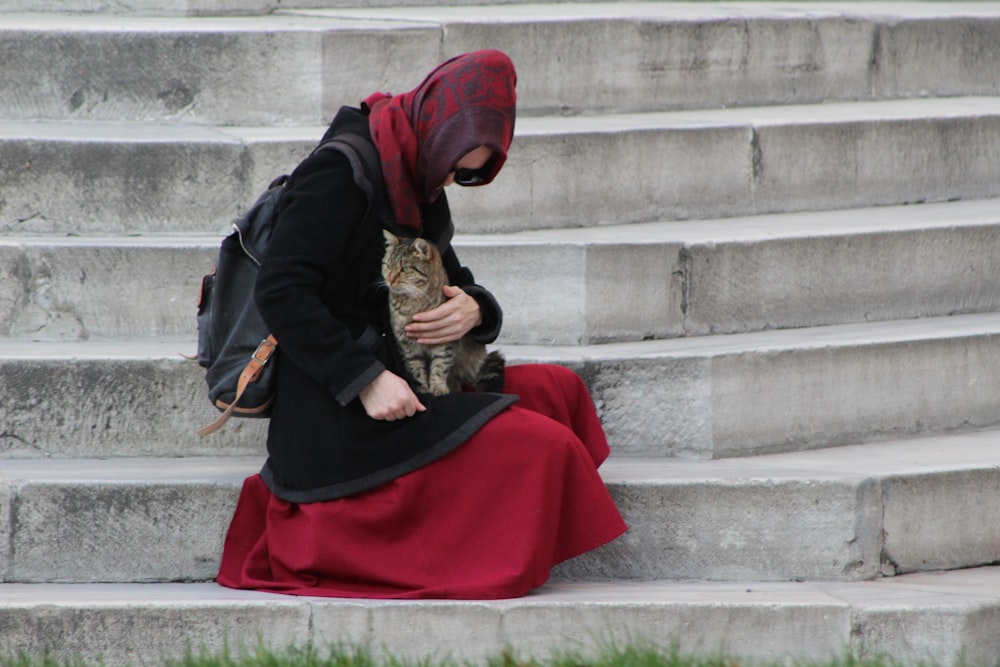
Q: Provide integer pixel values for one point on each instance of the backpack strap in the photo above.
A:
(251, 373)
(365, 163)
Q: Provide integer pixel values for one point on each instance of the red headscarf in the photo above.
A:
(466, 102)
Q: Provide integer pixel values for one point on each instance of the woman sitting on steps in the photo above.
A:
(371, 489)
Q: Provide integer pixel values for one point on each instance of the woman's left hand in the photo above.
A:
(448, 322)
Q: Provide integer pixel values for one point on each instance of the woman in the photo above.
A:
(371, 490)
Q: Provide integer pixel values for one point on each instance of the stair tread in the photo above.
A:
(856, 334)
(676, 11)
(944, 588)
(751, 228)
(761, 227)
(929, 617)
(974, 450)
(766, 116)
(308, 18)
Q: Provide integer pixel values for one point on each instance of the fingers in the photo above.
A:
(398, 410)
(436, 333)
(402, 411)
(448, 322)
(389, 397)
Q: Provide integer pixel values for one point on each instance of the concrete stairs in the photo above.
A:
(764, 233)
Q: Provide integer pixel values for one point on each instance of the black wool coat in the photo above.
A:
(318, 291)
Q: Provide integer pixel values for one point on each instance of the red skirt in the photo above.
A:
(489, 520)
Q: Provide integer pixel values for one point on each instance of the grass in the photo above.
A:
(310, 656)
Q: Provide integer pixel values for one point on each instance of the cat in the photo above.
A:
(415, 276)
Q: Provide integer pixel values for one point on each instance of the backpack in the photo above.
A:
(234, 345)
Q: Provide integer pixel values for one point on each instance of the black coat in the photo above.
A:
(318, 291)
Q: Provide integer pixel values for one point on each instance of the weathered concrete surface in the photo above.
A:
(111, 399)
(656, 280)
(83, 288)
(143, 7)
(706, 396)
(716, 396)
(914, 505)
(95, 520)
(562, 172)
(844, 516)
(666, 56)
(936, 618)
(576, 286)
(229, 71)
(82, 178)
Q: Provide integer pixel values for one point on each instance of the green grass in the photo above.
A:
(310, 656)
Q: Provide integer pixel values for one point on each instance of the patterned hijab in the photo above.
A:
(466, 102)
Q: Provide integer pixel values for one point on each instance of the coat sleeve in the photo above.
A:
(322, 211)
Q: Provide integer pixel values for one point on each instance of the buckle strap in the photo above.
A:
(251, 373)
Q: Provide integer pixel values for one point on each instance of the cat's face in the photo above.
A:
(410, 265)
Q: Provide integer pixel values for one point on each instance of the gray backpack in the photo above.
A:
(234, 345)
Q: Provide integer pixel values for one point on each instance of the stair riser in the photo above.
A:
(124, 533)
(827, 531)
(129, 634)
(716, 58)
(916, 533)
(668, 63)
(145, 185)
(551, 180)
(552, 293)
(756, 624)
(820, 166)
(706, 529)
(144, 7)
(572, 294)
(918, 57)
(124, 634)
(233, 77)
(734, 169)
(753, 402)
(115, 408)
(67, 292)
(714, 530)
(708, 405)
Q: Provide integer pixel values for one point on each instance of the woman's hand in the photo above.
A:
(389, 397)
(448, 322)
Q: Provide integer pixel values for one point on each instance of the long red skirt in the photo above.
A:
(486, 521)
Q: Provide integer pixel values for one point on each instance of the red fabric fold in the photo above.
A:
(487, 521)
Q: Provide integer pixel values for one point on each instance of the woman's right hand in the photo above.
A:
(389, 397)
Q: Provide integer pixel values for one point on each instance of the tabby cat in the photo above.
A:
(415, 276)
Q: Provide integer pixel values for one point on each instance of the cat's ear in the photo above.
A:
(391, 240)
(422, 248)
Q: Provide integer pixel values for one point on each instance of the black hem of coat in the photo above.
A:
(352, 487)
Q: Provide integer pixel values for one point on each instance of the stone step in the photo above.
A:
(142, 7)
(574, 286)
(562, 172)
(202, 7)
(736, 275)
(649, 55)
(706, 397)
(939, 618)
(851, 513)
